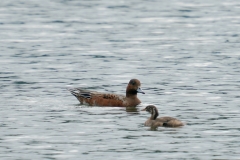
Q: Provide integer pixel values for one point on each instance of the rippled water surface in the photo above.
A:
(185, 53)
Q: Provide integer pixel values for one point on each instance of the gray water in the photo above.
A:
(186, 54)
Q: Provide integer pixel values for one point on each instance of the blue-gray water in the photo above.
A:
(186, 54)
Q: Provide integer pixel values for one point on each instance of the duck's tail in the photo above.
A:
(78, 92)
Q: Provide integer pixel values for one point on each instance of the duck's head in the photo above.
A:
(153, 110)
(134, 87)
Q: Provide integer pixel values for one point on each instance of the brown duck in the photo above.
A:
(153, 121)
(94, 98)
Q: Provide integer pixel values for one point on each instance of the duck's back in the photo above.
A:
(105, 99)
(93, 98)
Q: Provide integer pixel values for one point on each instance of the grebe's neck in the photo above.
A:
(154, 113)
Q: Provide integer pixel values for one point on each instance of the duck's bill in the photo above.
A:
(139, 90)
(143, 109)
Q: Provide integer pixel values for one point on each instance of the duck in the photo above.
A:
(153, 121)
(94, 98)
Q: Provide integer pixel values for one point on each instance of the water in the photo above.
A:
(185, 53)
